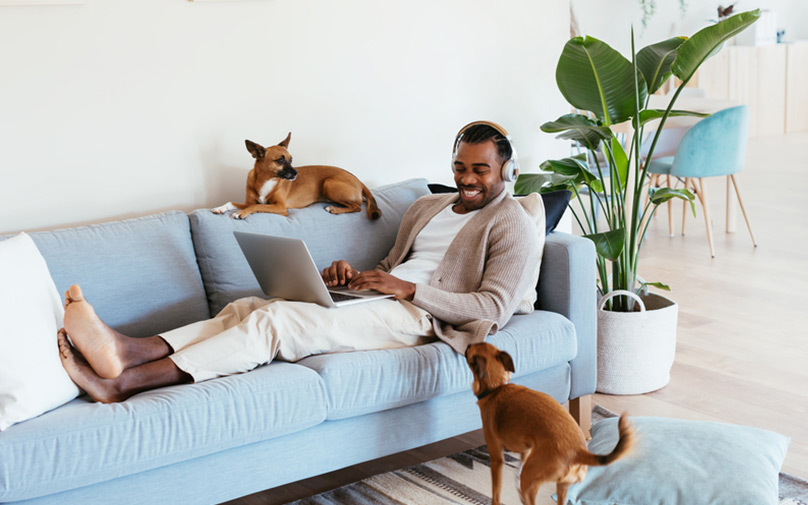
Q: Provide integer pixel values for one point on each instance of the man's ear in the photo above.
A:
(257, 150)
(477, 365)
(285, 142)
(506, 361)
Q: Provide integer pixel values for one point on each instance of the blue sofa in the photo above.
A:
(229, 437)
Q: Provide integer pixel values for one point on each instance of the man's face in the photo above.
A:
(477, 175)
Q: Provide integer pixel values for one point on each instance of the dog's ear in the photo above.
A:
(257, 150)
(477, 365)
(506, 360)
(285, 142)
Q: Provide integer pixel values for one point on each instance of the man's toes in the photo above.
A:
(64, 345)
(75, 294)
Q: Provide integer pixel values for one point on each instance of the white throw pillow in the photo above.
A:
(534, 206)
(32, 379)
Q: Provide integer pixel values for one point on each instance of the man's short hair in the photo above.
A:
(478, 134)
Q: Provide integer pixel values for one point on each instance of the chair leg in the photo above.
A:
(740, 202)
(707, 221)
(730, 210)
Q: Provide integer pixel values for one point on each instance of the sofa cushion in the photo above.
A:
(83, 443)
(679, 461)
(140, 274)
(32, 379)
(352, 237)
(358, 383)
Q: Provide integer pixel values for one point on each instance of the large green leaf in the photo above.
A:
(541, 183)
(594, 77)
(620, 162)
(662, 195)
(576, 167)
(655, 61)
(707, 42)
(659, 285)
(609, 244)
(651, 114)
(579, 128)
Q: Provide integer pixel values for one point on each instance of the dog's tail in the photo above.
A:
(373, 209)
(624, 445)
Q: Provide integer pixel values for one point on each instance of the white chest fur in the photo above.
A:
(266, 189)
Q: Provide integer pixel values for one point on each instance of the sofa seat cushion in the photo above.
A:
(82, 443)
(352, 237)
(140, 274)
(359, 383)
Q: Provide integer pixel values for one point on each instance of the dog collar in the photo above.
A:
(487, 392)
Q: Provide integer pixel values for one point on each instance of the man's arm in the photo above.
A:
(341, 273)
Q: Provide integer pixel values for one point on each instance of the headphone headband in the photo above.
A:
(502, 131)
(510, 168)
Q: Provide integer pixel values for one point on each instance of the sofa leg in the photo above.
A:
(581, 410)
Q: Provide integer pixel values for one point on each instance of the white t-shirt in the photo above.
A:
(430, 246)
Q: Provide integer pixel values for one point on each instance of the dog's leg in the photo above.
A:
(272, 209)
(343, 210)
(343, 193)
(497, 454)
(561, 493)
(228, 206)
(536, 470)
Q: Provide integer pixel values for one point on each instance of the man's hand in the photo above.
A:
(383, 283)
(339, 273)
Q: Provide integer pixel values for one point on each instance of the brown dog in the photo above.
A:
(551, 444)
(273, 185)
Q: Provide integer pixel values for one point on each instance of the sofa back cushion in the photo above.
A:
(352, 237)
(140, 274)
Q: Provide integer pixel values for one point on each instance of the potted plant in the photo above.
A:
(607, 182)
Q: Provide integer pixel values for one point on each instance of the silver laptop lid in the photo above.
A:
(284, 268)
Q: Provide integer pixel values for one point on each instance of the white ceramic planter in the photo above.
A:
(636, 349)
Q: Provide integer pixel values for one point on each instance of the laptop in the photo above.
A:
(285, 269)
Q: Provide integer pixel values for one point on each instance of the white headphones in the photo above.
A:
(510, 169)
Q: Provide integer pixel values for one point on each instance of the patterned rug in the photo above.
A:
(465, 479)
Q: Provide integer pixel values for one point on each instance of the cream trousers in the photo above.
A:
(252, 331)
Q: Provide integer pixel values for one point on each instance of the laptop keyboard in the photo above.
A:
(339, 297)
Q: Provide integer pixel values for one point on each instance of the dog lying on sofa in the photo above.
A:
(274, 185)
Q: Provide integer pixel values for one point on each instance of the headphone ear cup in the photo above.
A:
(510, 170)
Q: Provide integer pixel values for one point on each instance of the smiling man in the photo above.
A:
(458, 269)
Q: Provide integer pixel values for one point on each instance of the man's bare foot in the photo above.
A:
(99, 389)
(100, 345)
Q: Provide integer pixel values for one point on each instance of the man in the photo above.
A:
(456, 270)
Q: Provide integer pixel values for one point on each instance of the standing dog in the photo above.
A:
(551, 444)
(273, 185)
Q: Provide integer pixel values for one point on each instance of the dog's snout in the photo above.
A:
(288, 173)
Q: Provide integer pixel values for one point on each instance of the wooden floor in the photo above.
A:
(742, 341)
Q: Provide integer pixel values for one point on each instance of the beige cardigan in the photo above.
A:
(484, 274)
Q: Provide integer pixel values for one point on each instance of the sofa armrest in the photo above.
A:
(567, 286)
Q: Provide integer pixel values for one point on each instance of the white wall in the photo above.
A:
(611, 21)
(120, 108)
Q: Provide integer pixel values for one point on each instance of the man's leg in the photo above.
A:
(131, 365)
(108, 352)
(294, 330)
(151, 375)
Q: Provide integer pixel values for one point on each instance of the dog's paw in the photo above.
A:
(239, 215)
(224, 208)
(330, 209)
